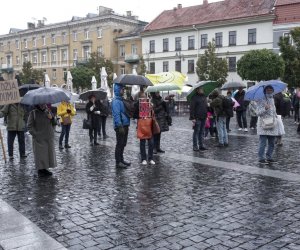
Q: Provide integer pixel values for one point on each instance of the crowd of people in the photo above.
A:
(209, 115)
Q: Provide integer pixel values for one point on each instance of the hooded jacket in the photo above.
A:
(15, 116)
(62, 111)
(118, 109)
(198, 107)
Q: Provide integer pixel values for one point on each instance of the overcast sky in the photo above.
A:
(16, 13)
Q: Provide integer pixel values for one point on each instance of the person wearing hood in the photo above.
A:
(266, 110)
(121, 123)
(218, 106)
(198, 114)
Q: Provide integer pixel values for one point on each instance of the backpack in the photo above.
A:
(129, 107)
(227, 105)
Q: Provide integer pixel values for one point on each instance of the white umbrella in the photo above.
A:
(47, 81)
(104, 84)
(94, 83)
(114, 77)
(135, 88)
(69, 81)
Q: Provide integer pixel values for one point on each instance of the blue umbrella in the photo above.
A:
(256, 92)
(44, 96)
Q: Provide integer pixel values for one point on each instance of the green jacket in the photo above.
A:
(217, 105)
(15, 115)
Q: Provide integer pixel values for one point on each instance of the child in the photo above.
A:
(209, 124)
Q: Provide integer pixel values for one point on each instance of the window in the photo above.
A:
(75, 54)
(177, 43)
(99, 32)
(53, 57)
(64, 55)
(8, 45)
(17, 60)
(165, 66)
(122, 50)
(44, 40)
(191, 66)
(287, 34)
(86, 52)
(64, 37)
(152, 46)
(231, 64)
(133, 49)
(34, 58)
(25, 44)
(17, 44)
(122, 70)
(53, 40)
(204, 41)
(152, 68)
(1, 47)
(100, 51)
(25, 57)
(86, 34)
(191, 42)
(251, 36)
(165, 44)
(53, 73)
(74, 35)
(34, 41)
(178, 66)
(44, 57)
(232, 38)
(219, 39)
(8, 61)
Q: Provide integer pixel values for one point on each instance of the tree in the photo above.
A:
(29, 74)
(143, 67)
(210, 67)
(259, 65)
(82, 77)
(291, 56)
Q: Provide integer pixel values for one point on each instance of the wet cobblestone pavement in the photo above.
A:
(89, 204)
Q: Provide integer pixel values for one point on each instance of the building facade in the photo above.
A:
(176, 38)
(58, 47)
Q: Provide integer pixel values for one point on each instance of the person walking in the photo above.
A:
(162, 114)
(253, 115)
(266, 111)
(241, 110)
(198, 114)
(66, 111)
(104, 107)
(15, 119)
(92, 109)
(41, 126)
(219, 106)
(121, 123)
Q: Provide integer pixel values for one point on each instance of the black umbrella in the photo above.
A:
(23, 89)
(98, 93)
(233, 85)
(131, 79)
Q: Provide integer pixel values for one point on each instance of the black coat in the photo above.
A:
(239, 97)
(198, 107)
(161, 112)
(91, 115)
(104, 107)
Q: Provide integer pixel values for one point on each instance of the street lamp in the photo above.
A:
(194, 27)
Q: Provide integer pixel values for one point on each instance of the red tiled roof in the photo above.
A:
(286, 2)
(216, 11)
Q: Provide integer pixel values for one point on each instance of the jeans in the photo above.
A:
(11, 135)
(222, 131)
(65, 131)
(198, 133)
(262, 145)
(253, 121)
(102, 124)
(121, 144)
(143, 149)
(241, 115)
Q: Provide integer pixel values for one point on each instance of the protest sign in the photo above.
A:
(9, 92)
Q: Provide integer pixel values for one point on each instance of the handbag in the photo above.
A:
(66, 120)
(87, 124)
(155, 126)
(268, 122)
(144, 128)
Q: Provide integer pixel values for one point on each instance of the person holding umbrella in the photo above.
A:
(92, 109)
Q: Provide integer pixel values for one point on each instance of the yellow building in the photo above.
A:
(55, 48)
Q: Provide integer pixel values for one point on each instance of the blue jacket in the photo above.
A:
(118, 109)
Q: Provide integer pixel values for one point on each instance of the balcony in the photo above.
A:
(7, 68)
(132, 58)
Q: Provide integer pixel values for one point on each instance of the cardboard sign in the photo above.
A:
(9, 92)
(145, 108)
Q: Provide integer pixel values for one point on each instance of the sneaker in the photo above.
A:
(160, 150)
(144, 162)
(240, 129)
(245, 129)
(151, 162)
(271, 161)
(60, 146)
(126, 163)
(67, 146)
(252, 128)
(44, 172)
(263, 162)
(120, 165)
(202, 148)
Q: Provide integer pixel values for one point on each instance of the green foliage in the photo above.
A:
(259, 65)
(82, 77)
(29, 74)
(291, 56)
(210, 67)
(142, 67)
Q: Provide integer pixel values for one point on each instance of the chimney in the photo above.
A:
(205, 2)
(179, 6)
(30, 26)
(40, 23)
(128, 13)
